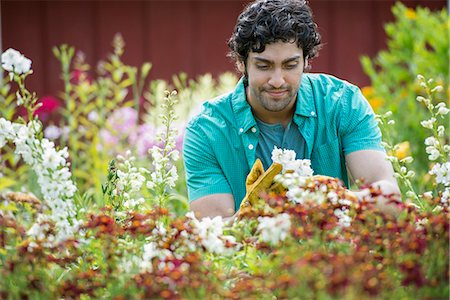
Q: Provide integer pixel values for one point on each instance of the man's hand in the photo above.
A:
(259, 181)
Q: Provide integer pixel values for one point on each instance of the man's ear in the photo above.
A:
(240, 66)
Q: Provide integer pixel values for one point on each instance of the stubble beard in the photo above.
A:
(271, 104)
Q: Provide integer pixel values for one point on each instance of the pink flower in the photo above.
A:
(123, 120)
(49, 105)
(143, 139)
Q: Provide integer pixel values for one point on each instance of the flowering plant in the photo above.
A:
(312, 239)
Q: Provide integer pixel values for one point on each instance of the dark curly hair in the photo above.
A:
(267, 21)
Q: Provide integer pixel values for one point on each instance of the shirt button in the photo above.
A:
(241, 130)
(253, 129)
(250, 147)
(313, 113)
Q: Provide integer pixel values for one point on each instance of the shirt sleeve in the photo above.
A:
(204, 176)
(358, 128)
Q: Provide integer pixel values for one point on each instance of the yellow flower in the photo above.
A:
(404, 150)
(367, 91)
(369, 94)
(410, 14)
(376, 102)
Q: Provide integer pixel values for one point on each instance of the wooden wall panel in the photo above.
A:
(66, 22)
(170, 34)
(183, 35)
(22, 30)
(125, 18)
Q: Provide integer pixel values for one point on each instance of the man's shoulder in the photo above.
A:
(214, 110)
(327, 80)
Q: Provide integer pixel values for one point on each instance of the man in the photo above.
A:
(320, 117)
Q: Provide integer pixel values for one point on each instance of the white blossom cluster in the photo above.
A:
(206, 232)
(301, 188)
(53, 175)
(130, 181)
(442, 173)
(286, 158)
(343, 217)
(211, 234)
(274, 229)
(164, 171)
(14, 62)
(432, 148)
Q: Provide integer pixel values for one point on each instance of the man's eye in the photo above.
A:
(262, 67)
(291, 66)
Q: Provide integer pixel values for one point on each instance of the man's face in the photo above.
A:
(274, 78)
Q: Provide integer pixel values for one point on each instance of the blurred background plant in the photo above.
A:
(102, 115)
(417, 43)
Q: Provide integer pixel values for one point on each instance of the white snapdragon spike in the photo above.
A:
(445, 198)
(211, 234)
(274, 230)
(129, 182)
(286, 158)
(14, 62)
(442, 173)
(53, 176)
(343, 217)
(428, 123)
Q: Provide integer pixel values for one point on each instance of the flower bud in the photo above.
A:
(407, 160)
(443, 111)
(410, 174)
(437, 89)
(420, 98)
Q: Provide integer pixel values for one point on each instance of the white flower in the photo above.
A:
(23, 66)
(442, 173)
(445, 197)
(287, 159)
(9, 58)
(53, 177)
(52, 132)
(14, 62)
(441, 130)
(433, 153)
(210, 232)
(342, 215)
(431, 141)
(442, 110)
(420, 223)
(273, 230)
(428, 123)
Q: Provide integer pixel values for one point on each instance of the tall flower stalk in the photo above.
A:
(49, 164)
(402, 173)
(164, 174)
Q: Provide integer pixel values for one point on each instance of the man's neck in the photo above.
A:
(283, 118)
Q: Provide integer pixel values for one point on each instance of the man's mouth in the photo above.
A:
(277, 93)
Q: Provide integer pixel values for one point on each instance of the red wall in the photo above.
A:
(180, 36)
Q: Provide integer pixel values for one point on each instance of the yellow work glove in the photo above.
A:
(259, 181)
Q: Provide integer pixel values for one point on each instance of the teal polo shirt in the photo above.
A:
(220, 142)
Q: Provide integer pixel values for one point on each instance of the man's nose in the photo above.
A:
(277, 78)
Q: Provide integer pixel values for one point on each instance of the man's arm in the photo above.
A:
(214, 205)
(373, 168)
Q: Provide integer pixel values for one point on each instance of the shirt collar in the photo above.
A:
(305, 99)
(305, 105)
(242, 110)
